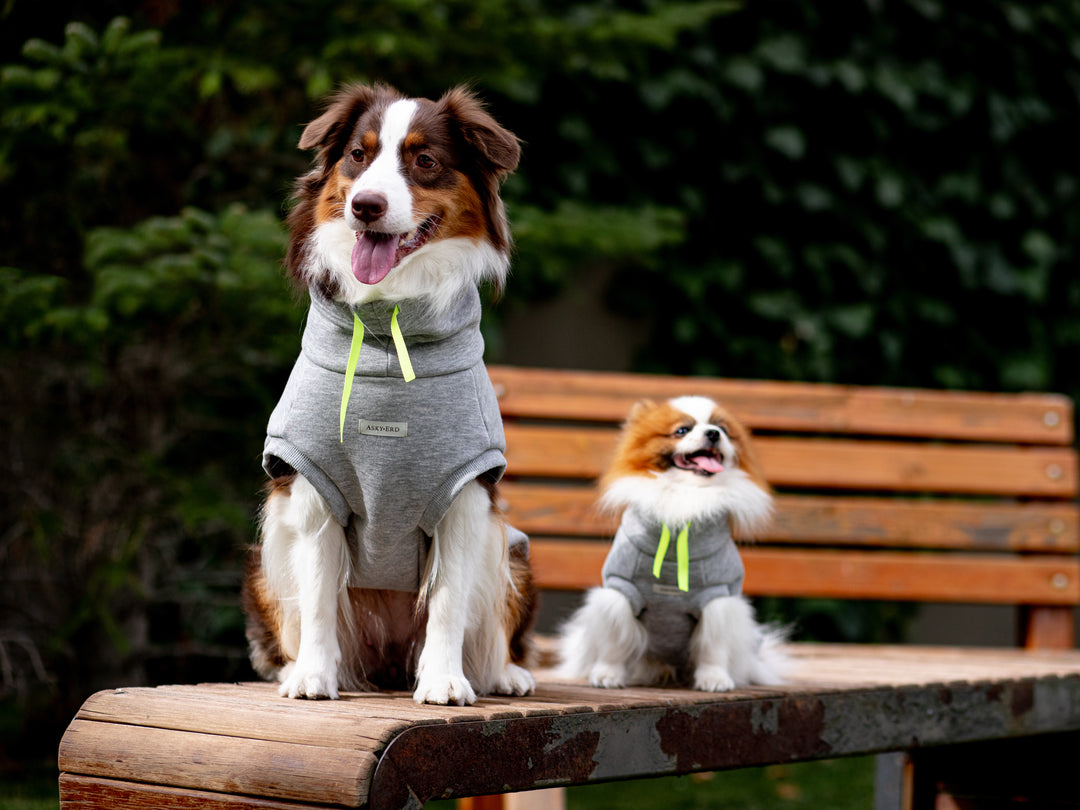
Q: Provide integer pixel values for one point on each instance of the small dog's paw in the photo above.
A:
(444, 690)
(305, 683)
(608, 676)
(515, 680)
(713, 679)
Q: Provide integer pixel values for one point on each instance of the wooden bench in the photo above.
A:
(882, 494)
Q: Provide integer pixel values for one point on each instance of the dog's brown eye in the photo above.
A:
(425, 161)
(681, 431)
(357, 155)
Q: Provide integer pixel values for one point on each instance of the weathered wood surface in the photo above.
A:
(526, 393)
(845, 574)
(842, 464)
(92, 793)
(203, 746)
(960, 525)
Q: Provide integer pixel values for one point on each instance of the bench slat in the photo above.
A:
(216, 763)
(546, 509)
(242, 713)
(584, 453)
(1051, 580)
(811, 407)
(85, 792)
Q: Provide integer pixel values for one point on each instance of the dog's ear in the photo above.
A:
(497, 146)
(639, 408)
(343, 110)
(331, 130)
(744, 446)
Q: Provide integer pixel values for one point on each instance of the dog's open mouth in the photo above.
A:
(702, 462)
(375, 254)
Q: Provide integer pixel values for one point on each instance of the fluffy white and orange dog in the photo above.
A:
(383, 562)
(671, 607)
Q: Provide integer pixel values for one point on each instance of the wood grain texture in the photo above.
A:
(838, 699)
(211, 762)
(95, 793)
(539, 508)
(546, 451)
(877, 699)
(843, 574)
(244, 713)
(789, 406)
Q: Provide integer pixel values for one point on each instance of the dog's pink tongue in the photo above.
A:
(373, 258)
(709, 464)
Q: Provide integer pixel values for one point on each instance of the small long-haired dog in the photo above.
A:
(670, 608)
(383, 561)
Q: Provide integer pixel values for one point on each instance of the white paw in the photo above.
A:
(515, 680)
(444, 689)
(713, 679)
(309, 682)
(608, 676)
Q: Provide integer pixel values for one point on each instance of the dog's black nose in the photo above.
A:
(713, 435)
(368, 206)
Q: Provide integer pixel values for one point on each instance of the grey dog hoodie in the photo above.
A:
(409, 447)
(670, 615)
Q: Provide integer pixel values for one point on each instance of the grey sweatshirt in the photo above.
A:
(669, 614)
(409, 447)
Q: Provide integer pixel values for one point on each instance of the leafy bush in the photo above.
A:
(132, 477)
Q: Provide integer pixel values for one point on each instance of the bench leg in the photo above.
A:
(890, 771)
(896, 786)
(1043, 627)
(549, 799)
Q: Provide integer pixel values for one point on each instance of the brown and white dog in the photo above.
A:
(371, 573)
(684, 474)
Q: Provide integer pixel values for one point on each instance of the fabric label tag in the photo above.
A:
(667, 590)
(396, 430)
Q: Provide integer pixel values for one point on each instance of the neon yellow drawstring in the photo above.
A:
(350, 369)
(402, 351)
(661, 551)
(354, 356)
(682, 555)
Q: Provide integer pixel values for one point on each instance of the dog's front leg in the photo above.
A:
(456, 570)
(315, 557)
(616, 639)
(729, 648)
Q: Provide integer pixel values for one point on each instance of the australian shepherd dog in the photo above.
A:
(383, 561)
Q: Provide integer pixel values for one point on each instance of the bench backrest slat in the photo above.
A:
(559, 451)
(794, 407)
(562, 564)
(1038, 527)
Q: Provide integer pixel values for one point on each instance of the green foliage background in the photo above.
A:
(875, 192)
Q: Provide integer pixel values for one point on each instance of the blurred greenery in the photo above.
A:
(838, 784)
(860, 192)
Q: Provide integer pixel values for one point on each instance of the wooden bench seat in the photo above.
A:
(882, 494)
(241, 746)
